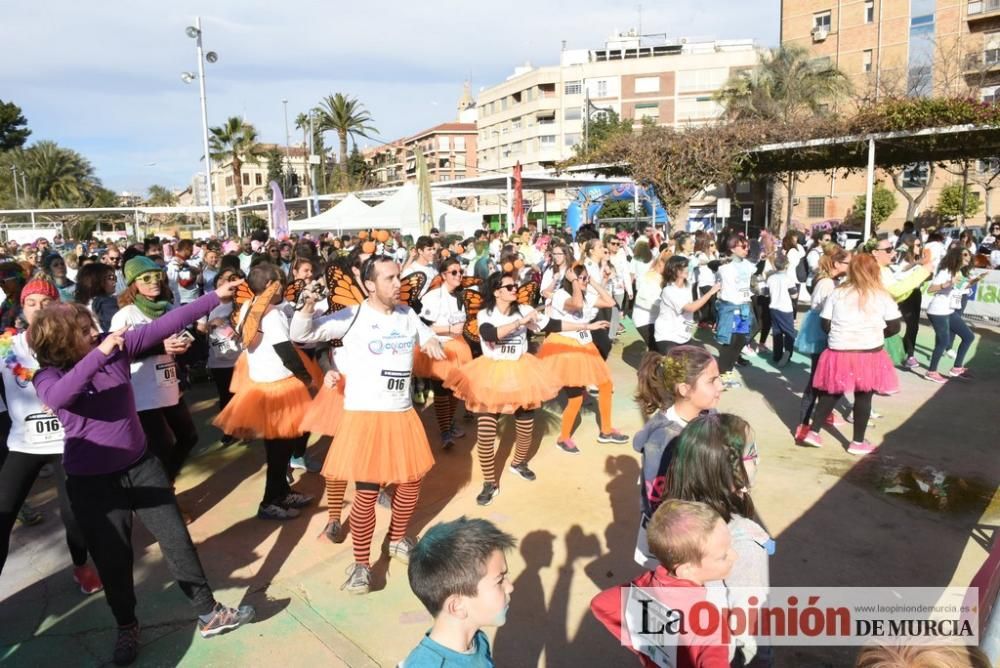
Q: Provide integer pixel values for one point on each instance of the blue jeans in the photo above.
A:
(944, 327)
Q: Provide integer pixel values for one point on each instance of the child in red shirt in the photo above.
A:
(693, 545)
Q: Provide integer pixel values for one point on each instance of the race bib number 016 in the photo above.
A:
(42, 428)
(397, 384)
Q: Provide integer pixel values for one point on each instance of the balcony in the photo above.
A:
(983, 64)
(980, 10)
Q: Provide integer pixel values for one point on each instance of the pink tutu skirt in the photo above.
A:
(841, 371)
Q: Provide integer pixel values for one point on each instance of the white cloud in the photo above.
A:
(104, 77)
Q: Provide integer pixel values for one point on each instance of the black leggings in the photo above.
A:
(223, 377)
(104, 506)
(17, 475)
(170, 435)
(862, 411)
(278, 452)
(762, 318)
(910, 308)
(730, 352)
(646, 334)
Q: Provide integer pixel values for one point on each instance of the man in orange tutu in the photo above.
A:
(380, 439)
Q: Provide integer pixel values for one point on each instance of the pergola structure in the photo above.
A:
(884, 149)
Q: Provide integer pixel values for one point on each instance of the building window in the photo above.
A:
(647, 110)
(695, 81)
(516, 123)
(503, 103)
(258, 179)
(572, 138)
(546, 120)
(742, 187)
(915, 175)
(547, 140)
(866, 60)
(459, 143)
(822, 21)
(229, 181)
(573, 88)
(602, 88)
(989, 94)
(573, 114)
(246, 179)
(647, 85)
(443, 143)
(869, 11)
(817, 207)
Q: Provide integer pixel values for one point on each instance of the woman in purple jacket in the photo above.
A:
(84, 378)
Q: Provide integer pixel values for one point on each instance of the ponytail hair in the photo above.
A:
(660, 375)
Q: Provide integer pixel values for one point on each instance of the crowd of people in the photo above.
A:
(339, 336)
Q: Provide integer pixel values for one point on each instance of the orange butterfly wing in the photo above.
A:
(242, 295)
(344, 290)
(470, 282)
(436, 283)
(527, 294)
(251, 323)
(294, 289)
(473, 302)
(410, 289)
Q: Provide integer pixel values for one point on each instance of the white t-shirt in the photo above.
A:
(735, 278)
(33, 430)
(264, 365)
(821, 291)
(377, 355)
(582, 317)
(778, 285)
(944, 302)
(441, 308)
(515, 344)
(154, 378)
(854, 328)
(705, 276)
(647, 298)
(223, 344)
(674, 323)
(937, 251)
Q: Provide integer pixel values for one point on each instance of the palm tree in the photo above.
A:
(345, 116)
(56, 176)
(785, 87)
(235, 141)
(160, 196)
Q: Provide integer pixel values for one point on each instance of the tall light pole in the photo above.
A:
(17, 197)
(288, 151)
(194, 32)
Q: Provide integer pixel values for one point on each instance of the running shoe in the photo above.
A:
(447, 439)
(731, 381)
(950, 353)
(359, 579)
(614, 436)
(800, 432)
(224, 619)
(835, 419)
(911, 363)
(88, 579)
(960, 372)
(567, 446)
(127, 644)
(742, 361)
(490, 492)
(334, 530)
(812, 439)
(400, 549)
(523, 471)
(785, 359)
(860, 448)
(304, 464)
(227, 440)
(457, 431)
(273, 511)
(935, 377)
(28, 516)
(296, 500)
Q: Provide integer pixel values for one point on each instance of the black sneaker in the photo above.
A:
(228, 440)
(296, 500)
(127, 644)
(567, 446)
(490, 490)
(614, 436)
(273, 511)
(742, 361)
(334, 530)
(224, 619)
(523, 471)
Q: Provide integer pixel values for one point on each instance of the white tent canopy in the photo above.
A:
(348, 214)
(401, 212)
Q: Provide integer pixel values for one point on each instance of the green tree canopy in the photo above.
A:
(949, 204)
(883, 204)
(160, 196)
(235, 141)
(603, 128)
(346, 116)
(13, 126)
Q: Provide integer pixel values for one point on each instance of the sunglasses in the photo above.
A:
(454, 272)
(884, 250)
(151, 277)
(614, 243)
(509, 287)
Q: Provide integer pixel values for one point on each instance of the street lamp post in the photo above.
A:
(288, 153)
(195, 33)
(17, 197)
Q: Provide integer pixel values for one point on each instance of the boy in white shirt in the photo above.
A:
(782, 312)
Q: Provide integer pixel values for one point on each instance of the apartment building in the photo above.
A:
(448, 148)
(254, 176)
(895, 48)
(538, 114)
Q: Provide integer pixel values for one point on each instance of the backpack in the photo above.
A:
(802, 270)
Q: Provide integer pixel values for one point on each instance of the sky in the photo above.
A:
(103, 78)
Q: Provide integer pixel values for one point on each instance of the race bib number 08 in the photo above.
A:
(166, 374)
(584, 337)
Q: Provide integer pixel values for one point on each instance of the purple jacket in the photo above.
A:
(94, 401)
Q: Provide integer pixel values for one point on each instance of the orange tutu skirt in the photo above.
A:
(457, 353)
(324, 412)
(241, 374)
(573, 364)
(502, 386)
(266, 410)
(379, 447)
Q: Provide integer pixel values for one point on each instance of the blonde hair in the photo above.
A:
(832, 254)
(922, 657)
(678, 532)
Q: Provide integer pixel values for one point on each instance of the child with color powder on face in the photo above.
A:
(458, 570)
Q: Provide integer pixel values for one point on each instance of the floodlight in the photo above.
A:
(187, 77)
(192, 32)
(211, 56)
